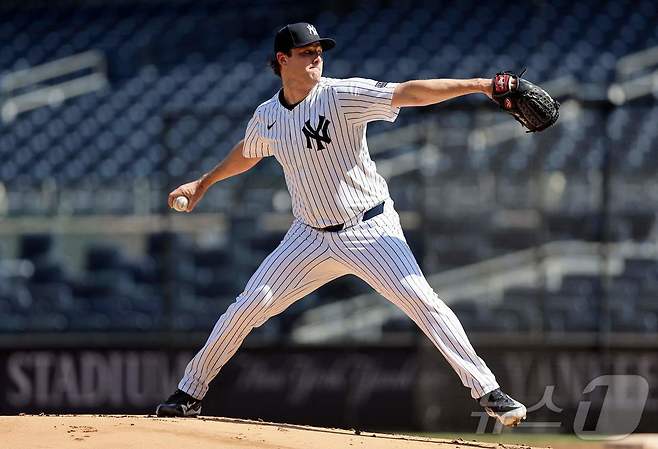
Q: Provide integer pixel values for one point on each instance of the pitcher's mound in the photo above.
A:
(142, 432)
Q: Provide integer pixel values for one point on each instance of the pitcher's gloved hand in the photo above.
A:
(528, 103)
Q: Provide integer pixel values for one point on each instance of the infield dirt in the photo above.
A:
(143, 432)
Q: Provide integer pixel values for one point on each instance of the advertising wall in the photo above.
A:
(403, 387)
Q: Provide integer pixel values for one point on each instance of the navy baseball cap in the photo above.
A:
(298, 35)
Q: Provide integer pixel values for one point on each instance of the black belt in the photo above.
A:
(367, 215)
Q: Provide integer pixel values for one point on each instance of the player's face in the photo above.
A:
(306, 62)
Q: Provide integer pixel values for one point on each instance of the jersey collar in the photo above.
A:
(285, 104)
(290, 107)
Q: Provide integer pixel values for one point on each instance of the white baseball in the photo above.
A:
(180, 204)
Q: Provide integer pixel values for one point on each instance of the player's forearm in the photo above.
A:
(233, 164)
(426, 92)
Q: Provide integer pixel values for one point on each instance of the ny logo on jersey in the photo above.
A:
(319, 134)
(312, 30)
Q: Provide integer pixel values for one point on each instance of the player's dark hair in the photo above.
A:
(274, 63)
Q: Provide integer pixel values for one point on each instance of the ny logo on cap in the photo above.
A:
(312, 30)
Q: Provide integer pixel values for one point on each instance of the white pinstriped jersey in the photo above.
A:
(321, 145)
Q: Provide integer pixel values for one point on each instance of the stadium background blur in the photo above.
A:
(544, 245)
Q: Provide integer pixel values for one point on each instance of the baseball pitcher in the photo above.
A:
(344, 219)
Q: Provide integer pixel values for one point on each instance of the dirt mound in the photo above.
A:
(141, 432)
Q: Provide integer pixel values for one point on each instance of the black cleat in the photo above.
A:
(179, 404)
(502, 407)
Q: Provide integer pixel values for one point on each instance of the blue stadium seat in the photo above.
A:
(473, 316)
(33, 246)
(144, 47)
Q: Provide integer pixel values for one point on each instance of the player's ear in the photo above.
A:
(282, 57)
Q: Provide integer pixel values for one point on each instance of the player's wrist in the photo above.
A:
(484, 85)
(204, 182)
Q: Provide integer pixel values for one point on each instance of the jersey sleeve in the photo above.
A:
(365, 100)
(254, 143)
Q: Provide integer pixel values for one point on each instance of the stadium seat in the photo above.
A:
(33, 246)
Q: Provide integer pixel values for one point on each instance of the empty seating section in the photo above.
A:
(173, 285)
(185, 77)
(180, 285)
(171, 57)
(582, 303)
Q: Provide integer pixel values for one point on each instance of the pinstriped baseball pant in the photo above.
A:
(374, 250)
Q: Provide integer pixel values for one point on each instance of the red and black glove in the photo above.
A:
(528, 103)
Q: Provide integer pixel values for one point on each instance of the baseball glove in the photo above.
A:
(528, 103)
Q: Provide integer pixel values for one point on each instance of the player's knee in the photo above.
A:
(426, 296)
(415, 292)
(257, 298)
